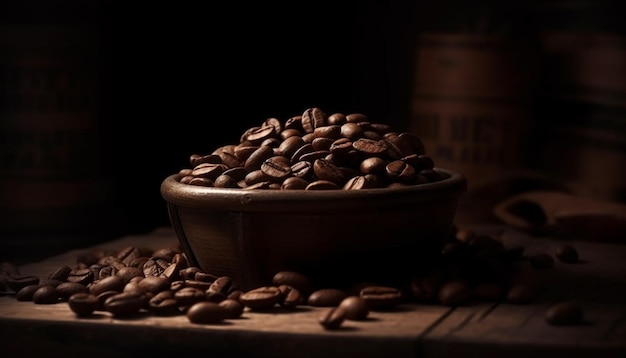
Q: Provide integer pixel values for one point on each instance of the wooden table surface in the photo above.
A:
(413, 330)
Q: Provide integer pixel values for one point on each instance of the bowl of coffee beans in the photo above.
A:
(337, 196)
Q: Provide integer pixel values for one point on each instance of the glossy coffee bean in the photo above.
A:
(206, 313)
(67, 289)
(83, 304)
(381, 297)
(262, 298)
(564, 313)
(46, 294)
(124, 304)
(332, 318)
(26, 293)
(355, 308)
(296, 280)
(327, 297)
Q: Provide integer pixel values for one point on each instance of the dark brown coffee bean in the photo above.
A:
(521, 293)
(26, 293)
(187, 296)
(102, 297)
(124, 304)
(360, 182)
(294, 183)
(565, 313)
(233, 308)
(455, 292)
(66, 289)
(206, 313)
(163, 303)
(83, 304)
(17, 282)
(313, 118)
(82, 276)
(294, 279)
(381, 297)
(400, 171)
(256, 159)
(355, 308)
(261, 298)
(128, 272)
(154, 267)
(275, 169)
(223, 285)
(325, 170)
(45, 294)
(332, 318)
(566, 253)
(111, 283)
(154, 284)
(291, 297)
(326, 297)
(61, 273)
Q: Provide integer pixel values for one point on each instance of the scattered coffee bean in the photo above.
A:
(565, 313)
(332, 318)
(566, 253)
(206, 313)
(83, 304)
(355, 307)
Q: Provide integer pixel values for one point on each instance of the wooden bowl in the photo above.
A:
(334, 236)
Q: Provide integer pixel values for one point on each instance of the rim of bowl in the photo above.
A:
(452, 186)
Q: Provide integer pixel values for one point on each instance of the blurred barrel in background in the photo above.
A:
(472, 102)
(581, 128)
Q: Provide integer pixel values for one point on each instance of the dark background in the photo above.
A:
(178, 78)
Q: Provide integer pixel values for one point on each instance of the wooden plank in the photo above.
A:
(276, 334)
(598, 283)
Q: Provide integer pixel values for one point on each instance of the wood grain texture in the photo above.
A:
(598, 282)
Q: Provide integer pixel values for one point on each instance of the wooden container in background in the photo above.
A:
(581, 130)
(472, 102)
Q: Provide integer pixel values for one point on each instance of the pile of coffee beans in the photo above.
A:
(315, 151)
(473, 268)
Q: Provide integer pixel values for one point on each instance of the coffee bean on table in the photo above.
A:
(46, 294)
(124, 304)
(355, 308)
(327, 297)
(163, 303)
(455, 292)
(67, 289)
(206, 313)
(296, 280)
(26, 293)
(234, 308)
(83, 304)
(332, 318)
(566, 253)
(381, 297)
(17, 282)
(564, 313)
(261, 298)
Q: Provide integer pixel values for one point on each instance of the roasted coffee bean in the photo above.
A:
(332, 318)
(566, 253)
(425, 288)
(111, 283)
(17, 282)
(291, 297)
(521, 293)
(206, 313)
(381, 297)
(203, 276)
(26, 293)
(233, 308)
(124, 304)
(297, 280)
(455, 292)
(322, 185)
(128, 254)
(128, 272)
(83, 276)
(66, 289)
(326, 297)
(154, 284)
(154, 267)
(187, 296)
(261, 298)
(102, 297)
(223, 285)
(61, 273)
(565, 313)
(83, 304)
(163, 303)
(46, 294)
(355, 308)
